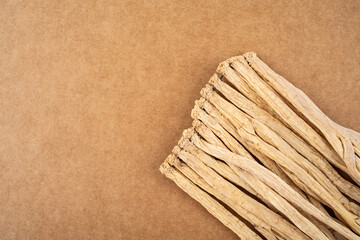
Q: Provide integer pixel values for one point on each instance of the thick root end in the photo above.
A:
(207, 91)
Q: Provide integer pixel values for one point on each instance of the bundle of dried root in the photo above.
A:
(263, 159)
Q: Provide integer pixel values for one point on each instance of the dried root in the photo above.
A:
(260, 146)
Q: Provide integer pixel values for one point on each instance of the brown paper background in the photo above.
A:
(94, 95)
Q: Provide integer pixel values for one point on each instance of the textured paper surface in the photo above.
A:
(94, 96)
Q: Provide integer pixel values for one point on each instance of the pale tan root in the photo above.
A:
(246, 130)
(282, 205)
(261, 147)
(274, 182)
(304, 105)
(211, 205)
(234, 198)
(289, 136)
(282, 109)
(197, 112)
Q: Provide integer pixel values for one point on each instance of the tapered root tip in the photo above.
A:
(207, 91)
